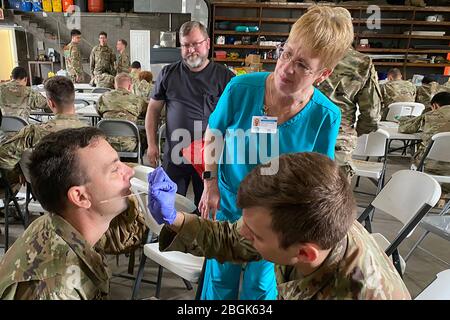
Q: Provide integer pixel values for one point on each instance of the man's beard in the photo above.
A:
(194, 60)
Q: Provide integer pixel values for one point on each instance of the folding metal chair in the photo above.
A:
(122, 128)
(12, 124)
(100, 90)
(408, 196)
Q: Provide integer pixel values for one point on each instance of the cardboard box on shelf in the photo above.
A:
(252, 58)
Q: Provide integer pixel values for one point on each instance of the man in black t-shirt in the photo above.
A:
(190, 89)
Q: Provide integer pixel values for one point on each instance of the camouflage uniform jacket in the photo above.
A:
(425, 92)
(18, 100)
(142, 89)
(121, 104)
(356, 267)
(398, 91)
(53, 261)
(353, 83)
(104, 80)
(73, 60)
(123, 63)
(134, 75)
(427, 124)
(12, 149)
(102, 60)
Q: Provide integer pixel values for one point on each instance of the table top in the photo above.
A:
(394, 134)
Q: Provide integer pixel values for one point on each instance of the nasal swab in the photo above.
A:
(117, 198)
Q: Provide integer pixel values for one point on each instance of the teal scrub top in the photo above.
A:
(313, 129)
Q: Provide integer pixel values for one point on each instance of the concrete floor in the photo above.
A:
(420, 270)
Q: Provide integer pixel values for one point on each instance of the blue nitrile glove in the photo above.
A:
(161, 196)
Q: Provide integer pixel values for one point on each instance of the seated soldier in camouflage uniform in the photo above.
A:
(122, 104)
(16, 99)
(396, 90)
(428, 124)
(427, 90)
(60, 97)
(302, 218)
(103, 80)
(143, 87)
(135, 70)
(77, 177)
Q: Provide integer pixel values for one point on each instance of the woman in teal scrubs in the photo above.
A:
(262, 115)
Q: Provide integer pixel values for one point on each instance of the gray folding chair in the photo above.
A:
(408, 196)
(100, 90)
(437, 150)
(122, 128)
(12, 124)
(81, 103)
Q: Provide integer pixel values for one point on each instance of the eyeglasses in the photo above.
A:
(300, 68)
(194, 45)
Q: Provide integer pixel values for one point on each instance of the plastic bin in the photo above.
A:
(56, 4)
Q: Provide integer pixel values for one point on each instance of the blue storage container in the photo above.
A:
(26, 5)
(37, 5)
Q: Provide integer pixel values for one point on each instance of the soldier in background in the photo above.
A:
(353, 82)
(122, 104)
(135, 69)
(123, 62)
(427, 90)
(102, 58)
(308, 229)
(144, 86)
(396, 90)
(428, 124)
(105, 80)
(60, 96)
(72, 53)
(16, 99)
(78, 178)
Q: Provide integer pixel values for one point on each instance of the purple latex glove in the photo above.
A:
(161, 196)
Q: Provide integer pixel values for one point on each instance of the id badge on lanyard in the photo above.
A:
(264, 124)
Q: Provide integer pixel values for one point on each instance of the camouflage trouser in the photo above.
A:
(345, 144)
(123, 144)
(439, 168)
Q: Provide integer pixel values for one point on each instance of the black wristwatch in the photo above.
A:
(209, 175)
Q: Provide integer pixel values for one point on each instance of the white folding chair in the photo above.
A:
(12, 124)
(400, 109)
(439, 289)
(369, 145)
(417, 109)
(185, 265)
(122, 128)
(408, 196)
(100, 90)
(438, 150)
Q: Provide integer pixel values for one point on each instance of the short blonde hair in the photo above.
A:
(121, 79)
(326, 31)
